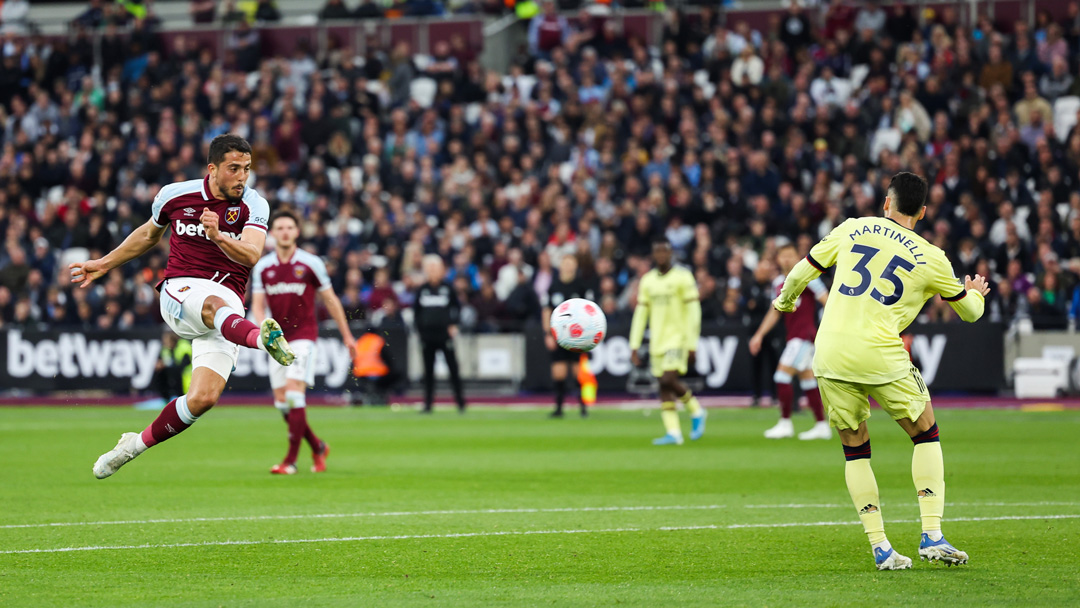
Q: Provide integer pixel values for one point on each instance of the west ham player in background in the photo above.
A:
(287, 281)
(219, 230)
(798, 355)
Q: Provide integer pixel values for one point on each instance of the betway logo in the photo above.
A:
(72, 356)
(277, 289)
(196, 229)
(928, 350)
(714, 357)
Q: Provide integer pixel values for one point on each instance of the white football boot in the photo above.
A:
(783, 430)
(820, 430)
(111, 461)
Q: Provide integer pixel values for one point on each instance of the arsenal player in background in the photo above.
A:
(284, 285)
(798, 355)
(219, 230)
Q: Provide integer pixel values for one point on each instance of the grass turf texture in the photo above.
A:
(385, 462)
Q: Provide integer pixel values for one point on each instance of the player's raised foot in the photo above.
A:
(697, 426)
(111, 461)
(941, 550)
(890, 560)
(783, 430)
(283, 469)
(668, 439)
(272, 340)
(820, 430)
(319, 458)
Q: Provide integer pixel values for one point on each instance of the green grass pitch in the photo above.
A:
(507, 508)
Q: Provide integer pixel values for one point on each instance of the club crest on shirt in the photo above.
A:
(298, 271)
(232, 214)
(184, 288)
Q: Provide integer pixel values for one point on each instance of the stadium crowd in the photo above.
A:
(725, 139)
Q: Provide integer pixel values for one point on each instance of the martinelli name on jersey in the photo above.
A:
(891, 234)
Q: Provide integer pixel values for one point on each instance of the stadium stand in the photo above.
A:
(723, 137)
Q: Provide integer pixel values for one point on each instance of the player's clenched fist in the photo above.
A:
(209, 221)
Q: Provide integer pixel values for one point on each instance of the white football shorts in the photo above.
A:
(181, 306)
(798, 354)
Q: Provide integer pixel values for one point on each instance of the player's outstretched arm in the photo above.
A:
(137, 243)
(969, 304)
(796, 281)
(337, 313)
(767, 324)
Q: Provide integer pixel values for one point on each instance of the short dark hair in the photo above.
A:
(661, 241)
(908, 193)
(787, 245)
(225, 143)
(286, 213)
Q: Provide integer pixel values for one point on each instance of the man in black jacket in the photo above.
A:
(436, 314)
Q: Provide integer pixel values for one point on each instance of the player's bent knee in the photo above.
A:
(808, 384)
(782, 377)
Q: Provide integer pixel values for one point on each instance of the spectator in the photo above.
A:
(871, 17)
(1057, 82)
(368, 9)
(335, 9)
(266, 11)
(547, 31)
(203, 11)
(1031, 103)
(748, 69)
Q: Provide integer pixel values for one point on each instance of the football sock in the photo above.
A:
(560, 394)
(786, 395)
(171, 421)
(297, 426)
(670, 416)
(864, 492)
(928, 473)
(690, 401)
(235, 328)
(813, 395)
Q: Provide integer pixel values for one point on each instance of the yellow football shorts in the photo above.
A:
(669, 360)
(847, 406)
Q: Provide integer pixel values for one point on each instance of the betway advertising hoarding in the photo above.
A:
(954, 356)
(123, 361)
(951, 356)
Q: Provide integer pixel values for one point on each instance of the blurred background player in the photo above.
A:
(219, 231)
(758, 295)
(798, 355)
(172, 372)
(284, 287)
(567, 285)
(885, 273)
(436, 313)
(668, 304)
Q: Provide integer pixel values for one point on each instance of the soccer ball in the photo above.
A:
(578, 325)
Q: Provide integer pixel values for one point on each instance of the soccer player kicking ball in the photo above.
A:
(801, 327)
(885, 272)
(219, 229)
(287, 281)
(668, 304)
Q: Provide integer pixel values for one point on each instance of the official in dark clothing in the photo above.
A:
(567, 285)
(437, 310)
(172, 372)
(758, 295)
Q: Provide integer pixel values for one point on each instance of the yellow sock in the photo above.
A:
(690, 401)
(671, 418)
(864, 493)
(928, 473)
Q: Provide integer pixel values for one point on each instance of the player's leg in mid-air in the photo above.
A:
(289, 384)
(668, 367)
(207, 314)
(908, 402)
(848, 409)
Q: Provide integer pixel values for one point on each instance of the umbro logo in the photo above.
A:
(926, 493)
(868, 509)
(189, 211)
(235, 322)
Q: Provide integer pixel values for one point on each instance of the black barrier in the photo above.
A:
(123, 361)
(951, 356)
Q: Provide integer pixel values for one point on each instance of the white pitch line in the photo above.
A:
(344, 539)
(184, 520)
